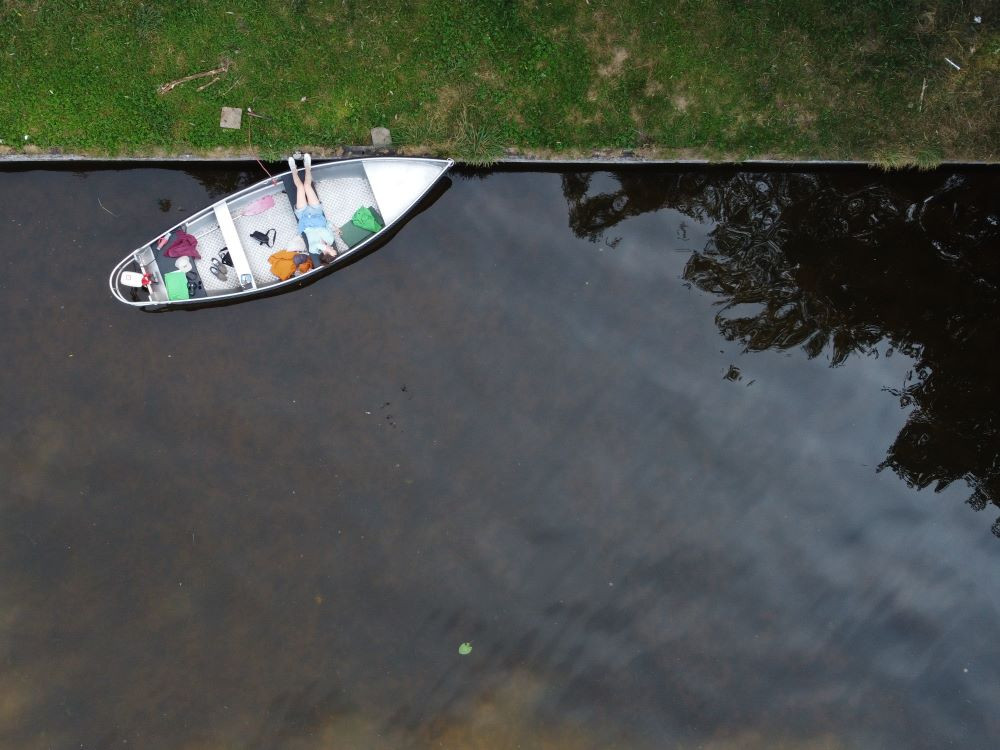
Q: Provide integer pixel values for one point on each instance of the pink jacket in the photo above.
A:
(185, 244)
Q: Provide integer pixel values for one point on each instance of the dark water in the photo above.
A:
(691, 459)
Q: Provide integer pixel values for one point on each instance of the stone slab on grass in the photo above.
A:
(381, 137)
(232, 118)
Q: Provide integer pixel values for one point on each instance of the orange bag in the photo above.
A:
(283, 264)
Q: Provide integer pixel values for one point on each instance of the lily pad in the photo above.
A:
(465, 649)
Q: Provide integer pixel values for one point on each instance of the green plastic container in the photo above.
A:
(177, 285)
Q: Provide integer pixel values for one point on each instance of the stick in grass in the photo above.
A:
(236, 83)
(223, 67)
(205, 86)
(922, 90)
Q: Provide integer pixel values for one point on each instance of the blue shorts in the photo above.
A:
(310, 216)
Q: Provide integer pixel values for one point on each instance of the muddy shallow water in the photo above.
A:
(691, 459)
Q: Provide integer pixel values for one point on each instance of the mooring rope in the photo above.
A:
(250, 146)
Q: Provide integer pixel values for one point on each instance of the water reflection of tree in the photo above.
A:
(220, 180)
(590, 215)
(828, 263)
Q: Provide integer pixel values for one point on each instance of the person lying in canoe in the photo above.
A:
(309, 212)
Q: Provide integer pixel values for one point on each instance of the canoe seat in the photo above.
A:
(232, 239)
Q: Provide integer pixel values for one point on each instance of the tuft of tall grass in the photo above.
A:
(476, 142)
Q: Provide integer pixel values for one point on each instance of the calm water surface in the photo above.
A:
(692, 459)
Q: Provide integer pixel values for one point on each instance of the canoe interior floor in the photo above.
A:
(341, 196)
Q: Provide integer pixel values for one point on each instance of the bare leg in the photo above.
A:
(300, 193)
(311, 196)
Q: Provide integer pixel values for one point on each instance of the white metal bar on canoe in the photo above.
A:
(232, 239)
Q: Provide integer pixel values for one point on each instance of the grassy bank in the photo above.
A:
(839, 79)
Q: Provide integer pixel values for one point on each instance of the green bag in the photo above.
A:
(365, 219)
(177, 285)
(353, 235)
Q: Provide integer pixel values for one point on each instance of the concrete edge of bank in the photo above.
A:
(507, 161)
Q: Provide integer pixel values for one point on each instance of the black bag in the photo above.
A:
(265, 238)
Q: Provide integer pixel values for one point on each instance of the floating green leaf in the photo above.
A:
(465, 648)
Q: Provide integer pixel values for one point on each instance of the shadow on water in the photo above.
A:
(842, 267)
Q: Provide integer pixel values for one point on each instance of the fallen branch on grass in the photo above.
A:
(205, 86)
(223, 67)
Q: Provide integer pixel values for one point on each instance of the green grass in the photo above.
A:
(722, 79)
